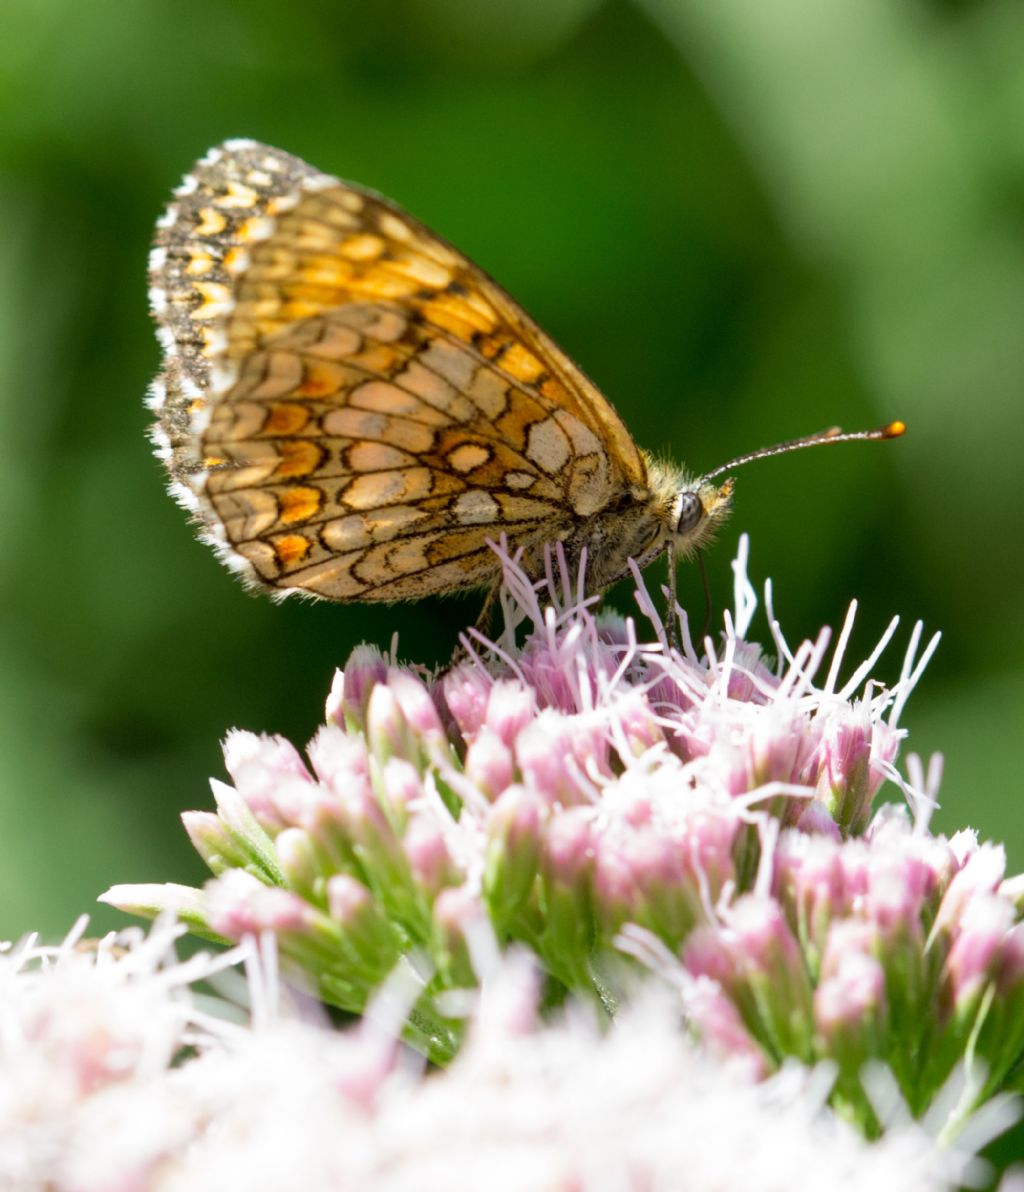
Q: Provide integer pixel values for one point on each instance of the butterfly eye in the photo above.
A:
(689, 511)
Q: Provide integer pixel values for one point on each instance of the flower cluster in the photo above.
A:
(597, 798)
(116, 1074)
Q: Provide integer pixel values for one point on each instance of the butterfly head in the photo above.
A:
(697, 511)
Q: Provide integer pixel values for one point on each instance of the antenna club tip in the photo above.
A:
(894, 429)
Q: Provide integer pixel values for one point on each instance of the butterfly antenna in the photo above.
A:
(834, 434)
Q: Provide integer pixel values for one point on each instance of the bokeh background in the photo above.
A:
(745, 220)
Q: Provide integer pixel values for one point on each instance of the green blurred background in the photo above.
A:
(746, 220)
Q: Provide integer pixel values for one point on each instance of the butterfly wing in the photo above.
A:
(352, 408)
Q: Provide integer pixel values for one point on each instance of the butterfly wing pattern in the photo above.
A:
(350, 407)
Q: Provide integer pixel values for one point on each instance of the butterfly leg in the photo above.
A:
(672, 617)
(486, 613)
(460, 653)
(672, 622)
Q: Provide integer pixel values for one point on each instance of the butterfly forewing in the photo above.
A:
(351, 407)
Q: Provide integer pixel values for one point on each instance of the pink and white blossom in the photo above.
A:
(569, 781)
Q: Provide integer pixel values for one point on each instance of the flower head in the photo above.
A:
(568, 781)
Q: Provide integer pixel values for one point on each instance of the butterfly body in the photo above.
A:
(353, 410)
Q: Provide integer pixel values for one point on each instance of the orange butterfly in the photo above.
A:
(352, 409)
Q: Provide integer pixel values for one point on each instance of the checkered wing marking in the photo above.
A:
(351, 407)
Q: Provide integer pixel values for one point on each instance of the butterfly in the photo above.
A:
(351, 409)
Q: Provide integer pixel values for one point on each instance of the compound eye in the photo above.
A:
(690, 511)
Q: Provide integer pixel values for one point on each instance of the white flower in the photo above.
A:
(116, 1075)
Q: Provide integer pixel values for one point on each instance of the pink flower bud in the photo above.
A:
(706, 954)
(365, 668)
(976, 953)
(510, 708)
(851, 1012)
(636, 723)
(982, 873)
(465, 691)
(299, 861)
(212, 840)
(515, 830)
(640, 877)
(722, 1029)
(616, 897)
(562, 757)
(850, 1007)
(765, 950)
(567, 863)
(367, 940)
(781, 749)
(464, 931)
(371, 832)
(489, 762)
(387, 731)
(417, 706)
(810, 882)
(816, 820)
(342, 764)
(334, 706)
(556, 684)
(707, 842)
(430, 863)
(853, 751)
(339, 759)
(749, 678)
(568, 847)
(238, 904)
(1013, 889)
(269, 774)
(347, 899)
(1010, 973)
(846, 936)
(895, 898)
(403, 788)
